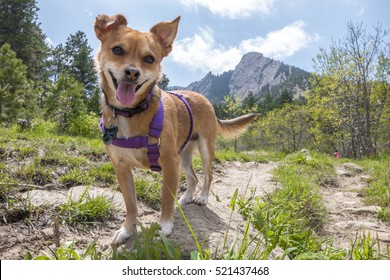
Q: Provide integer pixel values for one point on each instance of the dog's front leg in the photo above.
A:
(170, 184)
(126, 184)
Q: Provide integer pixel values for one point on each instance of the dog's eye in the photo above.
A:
(149, 59)
(117, 51)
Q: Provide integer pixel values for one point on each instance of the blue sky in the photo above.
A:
(214, 34)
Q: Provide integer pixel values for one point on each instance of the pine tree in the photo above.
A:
(65, 103)
(14, 87)
(19, 28)
(76, 59)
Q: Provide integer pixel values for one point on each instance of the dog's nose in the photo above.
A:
(132, 73)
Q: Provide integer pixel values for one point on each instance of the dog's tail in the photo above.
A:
(235, 127)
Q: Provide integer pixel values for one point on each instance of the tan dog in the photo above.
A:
(128, 63)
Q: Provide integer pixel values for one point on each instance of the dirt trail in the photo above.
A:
(347, 214)
(348, 217)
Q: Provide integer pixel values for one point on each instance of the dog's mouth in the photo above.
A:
(125, 92)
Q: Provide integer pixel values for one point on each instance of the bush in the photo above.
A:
(85, 125)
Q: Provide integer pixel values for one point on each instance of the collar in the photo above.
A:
(130, 112)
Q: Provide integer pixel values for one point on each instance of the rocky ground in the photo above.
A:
(347, 213)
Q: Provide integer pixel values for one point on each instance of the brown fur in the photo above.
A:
(113, 32)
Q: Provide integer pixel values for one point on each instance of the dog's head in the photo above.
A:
(129, 60)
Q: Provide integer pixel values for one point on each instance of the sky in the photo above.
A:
(213, 35)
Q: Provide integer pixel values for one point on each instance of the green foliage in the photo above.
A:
(286, 129)
(225, 155)
(86, 209)
(163, 82)
(15, 89)
(68, 251)
(19, 28)
(148, 245)
(85, 125)
(34, 174)
(148, 192)
(291, 216)
(350, 100)
(378, 190)
(365, 248)
(64, 104)
(75, 58)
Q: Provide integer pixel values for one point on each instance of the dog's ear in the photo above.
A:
(166, 33)
(104, 25)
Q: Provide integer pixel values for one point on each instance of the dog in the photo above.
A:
(128, 64)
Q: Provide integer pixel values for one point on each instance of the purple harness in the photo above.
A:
(140, 142)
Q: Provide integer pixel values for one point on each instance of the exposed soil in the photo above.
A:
(347, 214)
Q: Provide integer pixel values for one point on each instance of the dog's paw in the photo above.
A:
(185, 199)
(121, 236)
(201, 200)
(166, 228)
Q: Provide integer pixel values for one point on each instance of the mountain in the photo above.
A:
(255, 74)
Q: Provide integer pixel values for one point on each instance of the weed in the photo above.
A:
(364, 248)
(68, 251)
(35, 174)
(24, 152)
(76, 177)
(16, 208)
(378, 191)
(104, 173)
(222, 156)
(148, 192)
(86, 209)
(149, 244)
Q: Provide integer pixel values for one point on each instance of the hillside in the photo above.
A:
(58, 194)
(255, 73)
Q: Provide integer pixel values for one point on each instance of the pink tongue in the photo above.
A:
(126, 93)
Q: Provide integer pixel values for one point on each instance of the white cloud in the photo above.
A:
(232, 8)
(202, 52)
(281, 43)
(88, 12)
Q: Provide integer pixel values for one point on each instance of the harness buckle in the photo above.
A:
(158, 139)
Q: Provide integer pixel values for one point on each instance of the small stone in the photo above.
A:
(353, 167)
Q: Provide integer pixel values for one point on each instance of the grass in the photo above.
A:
(290, 219)
(378, 190)
(148, 244)
(86, 209)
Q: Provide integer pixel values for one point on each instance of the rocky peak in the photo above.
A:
(255, 74)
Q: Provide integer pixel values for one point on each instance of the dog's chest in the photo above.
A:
(130, 157)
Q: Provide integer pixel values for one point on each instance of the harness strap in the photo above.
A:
(181, 97)
(155, 129)
(140, 142)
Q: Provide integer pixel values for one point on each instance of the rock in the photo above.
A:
(344, 173)
(365, 178)
(47, 233)
(356, 225)
(353, 167)
(379, 235)
(304, 151)
(255, 73)
(364, 209)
